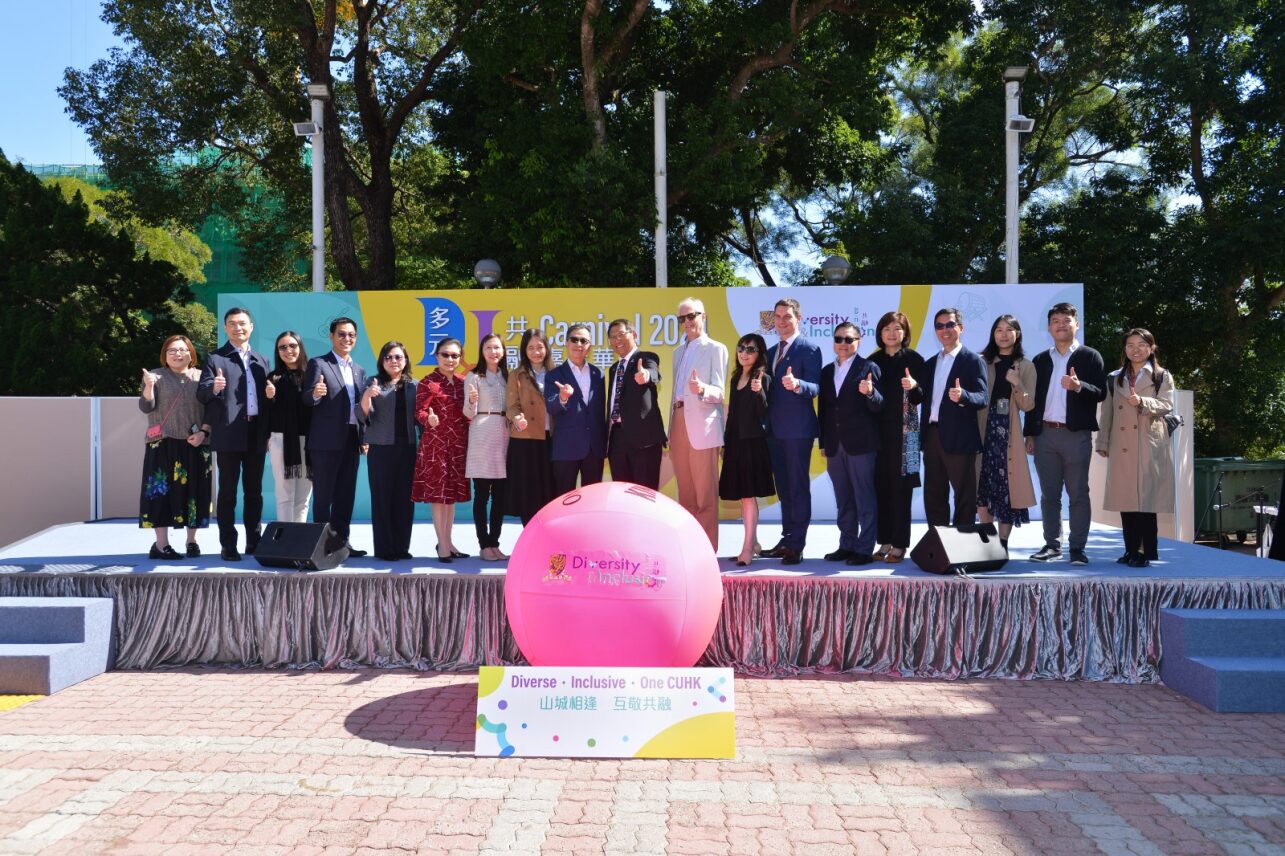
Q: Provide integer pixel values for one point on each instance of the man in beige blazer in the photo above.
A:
(696, 417)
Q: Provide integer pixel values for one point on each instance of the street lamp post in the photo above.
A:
(835, 269)
(1015, 124)
(487, 273)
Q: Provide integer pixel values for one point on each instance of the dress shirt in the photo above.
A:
(345, 371)
(945, 360)
(251, 394)
(1055, 400)
(841, 372)
(583, 379)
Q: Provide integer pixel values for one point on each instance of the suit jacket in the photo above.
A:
(640, 423)
(226, 412)
(702, 415)
(328, 431)
(848, 418)
(957, 421)
(1082, 406)
(791, 415)
(380, 427)
(581, 427)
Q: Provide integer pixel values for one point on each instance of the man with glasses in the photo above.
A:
(847, 404)
(235, 390)
(332, 386)
(1070, 381)
(696, 417)
(575, 398)
(953, 388)
(795, 366)
(635, 433)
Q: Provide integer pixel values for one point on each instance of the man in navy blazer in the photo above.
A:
(235, 390)
(952, 388)
(575, 397)
(847, 404)
(795, 366)
(332, 385)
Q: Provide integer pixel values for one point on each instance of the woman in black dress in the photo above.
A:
(747, 467)
(897, 461)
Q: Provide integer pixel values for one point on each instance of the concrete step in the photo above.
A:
(1228, 684)
(1222, 632)
(49, 643)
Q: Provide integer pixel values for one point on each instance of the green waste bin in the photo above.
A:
(1244, 485)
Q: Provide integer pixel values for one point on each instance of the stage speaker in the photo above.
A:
(302, 546)
(971, 549)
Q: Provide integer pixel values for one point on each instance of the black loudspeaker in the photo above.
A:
(970, 549)
(301, 546)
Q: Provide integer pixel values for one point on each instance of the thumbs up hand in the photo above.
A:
(908, 382)
(1071, 382)
(372, 389)
(867, 386)
(520, 422)
(319, 391)
(1134, 398)
(695, 385)
(269, 388)
(564, 391)
(790, 382)
(472, 393)
(219, 381)
(756, 382)
(149, 381)
(433, 421)
(955, 392)
(641, 377)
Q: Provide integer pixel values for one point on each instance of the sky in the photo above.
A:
(38, 40)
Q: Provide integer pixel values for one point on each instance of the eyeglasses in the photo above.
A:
(683, 319)
(577, 340)
(747, 349)
(846, 340)
(341, 334)
(175, 351)
(946, 325)
(393, 358)
(448, 356)
(288, 346)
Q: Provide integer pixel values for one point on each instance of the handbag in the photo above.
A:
(1173, 421)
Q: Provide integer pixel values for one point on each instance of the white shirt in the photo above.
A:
(841, 372)
(583, 379)
(345, 371)
(251, 394)
(945, 361)
(1055, 400)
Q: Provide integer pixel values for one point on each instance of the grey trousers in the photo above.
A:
(1062, 460)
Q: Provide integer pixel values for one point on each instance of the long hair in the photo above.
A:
(991, 351)
(192, 358)
(1146, 336)
(279, 366)
(481, 357)
(892, 318)
(524, 362)
(760, 359)
(382, 373)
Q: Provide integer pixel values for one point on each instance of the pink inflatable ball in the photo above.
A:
(613, 574)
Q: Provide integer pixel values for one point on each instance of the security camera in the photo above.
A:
(305, 129)
(1021, 124)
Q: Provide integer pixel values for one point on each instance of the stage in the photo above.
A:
(1055, 621)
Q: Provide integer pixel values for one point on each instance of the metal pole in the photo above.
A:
(1012, 89)
(318, 199)
(662, 193)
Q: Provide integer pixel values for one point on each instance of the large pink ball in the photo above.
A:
(613, 574)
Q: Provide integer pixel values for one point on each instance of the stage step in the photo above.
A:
(1229, 660)
(50, 643)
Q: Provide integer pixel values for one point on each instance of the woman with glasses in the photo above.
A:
(1134, 439)
(176, 460)
(747, 467)
(530, 475)
(897, 461)
(388, 409)
(488, 443)
(443, 443)
(1004, 489)
(288, 427)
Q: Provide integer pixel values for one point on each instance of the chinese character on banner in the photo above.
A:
(511, 357)
(517, 326)
(603, 357)
(557, 356)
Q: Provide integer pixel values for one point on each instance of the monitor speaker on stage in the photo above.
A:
(301, 546)
(970, 549)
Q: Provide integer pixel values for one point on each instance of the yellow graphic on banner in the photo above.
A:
(710, 735)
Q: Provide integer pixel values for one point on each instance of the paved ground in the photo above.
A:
(204, 761)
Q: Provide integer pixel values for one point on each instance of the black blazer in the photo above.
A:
(640, 423)
(328, 430)
(746, 411)
(956, 421)
(848, 418)
(229, 430)
(1082, 406)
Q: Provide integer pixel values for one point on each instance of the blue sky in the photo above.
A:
(37, 42)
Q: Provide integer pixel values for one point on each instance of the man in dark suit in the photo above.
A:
(847, 404)
(795, 366)
(635, 432)
(332, 385)
(951, 388)
(1070, 381)
(575, 398)
(235, 390)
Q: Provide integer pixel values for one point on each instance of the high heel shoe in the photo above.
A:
(447, 558)
(743, 563)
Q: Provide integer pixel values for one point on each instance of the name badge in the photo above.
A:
(1001, 406)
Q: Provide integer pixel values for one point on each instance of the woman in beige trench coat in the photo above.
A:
(1133, 438)
(1004, 491)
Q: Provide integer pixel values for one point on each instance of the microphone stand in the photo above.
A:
(1217, 504)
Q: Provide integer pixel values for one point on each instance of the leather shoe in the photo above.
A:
(775, 553)
(839, 555)
(861, 559)
(790, 557)
(166, 553)
(229, 554)
(250, 548)
(1137, 560)
(193, 550)
(1124, 560)
(354, 553)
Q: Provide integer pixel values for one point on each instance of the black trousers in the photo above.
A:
(1140, 533)
(589, 470)
(945, 472)
(486, 521)
(893, 493)
(640, 466)
(391, 470)
(334, 485)
(246, 468)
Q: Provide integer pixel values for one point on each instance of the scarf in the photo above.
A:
(289, 401)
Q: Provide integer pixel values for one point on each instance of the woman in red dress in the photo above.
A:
(443, 444)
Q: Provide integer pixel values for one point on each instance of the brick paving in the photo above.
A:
(209, 761)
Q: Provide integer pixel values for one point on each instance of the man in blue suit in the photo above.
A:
(235, 390)
(952, 388)
(847, 405)
(575, 397)
(795, 366)
(332, 385)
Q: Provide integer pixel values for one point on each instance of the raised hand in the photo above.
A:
(756, 382)
(790, 382)
(1134, 398)
(695, 385)
(1014, 378)
(955, 392)
(564, 391)
(867, 385)
(520, 422)
(472, 393)
(641, 377)
(149, 380)
(1070, 381)
(219, 381)
(372, 389)
(908, 382)
(433, 420)
(269, 388)
(319, 391)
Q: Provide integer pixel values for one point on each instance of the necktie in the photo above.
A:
(780, 355)
(618, 389)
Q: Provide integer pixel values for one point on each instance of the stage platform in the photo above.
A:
(1029, 620)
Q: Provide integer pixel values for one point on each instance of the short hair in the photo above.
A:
(449, 340)
(382, 373)
(1062, 309)
(949, 310)
(893, 318)
(580, 325)
(340, 321)
(237, 310)
(191, 349)
(622, 322)
(695, 303)
(854, 327)
(792, 304)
